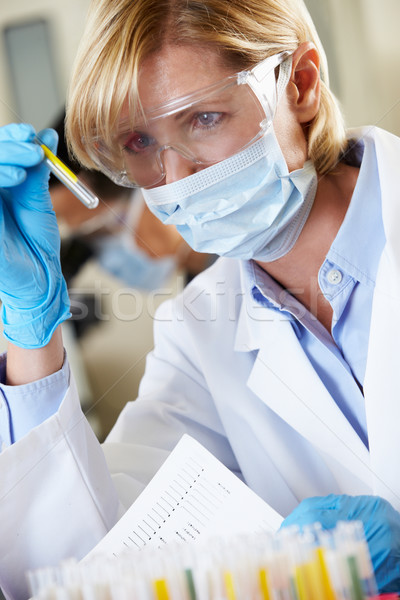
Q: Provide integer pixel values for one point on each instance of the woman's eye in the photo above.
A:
(207, 119)
(138, 142)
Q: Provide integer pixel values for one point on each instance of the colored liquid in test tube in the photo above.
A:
(161, 590)
(68, 177)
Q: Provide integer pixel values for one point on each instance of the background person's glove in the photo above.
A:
(381, 526)
(32, 288)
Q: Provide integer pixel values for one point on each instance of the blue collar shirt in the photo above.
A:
(347, 280)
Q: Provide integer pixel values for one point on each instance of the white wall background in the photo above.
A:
(362, 42)
(363, 46)
(66, 20)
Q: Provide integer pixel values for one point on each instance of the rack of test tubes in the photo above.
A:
(290, 565)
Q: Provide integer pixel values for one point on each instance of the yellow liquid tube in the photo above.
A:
(68, 178)
(263, 582)
(161, 589)
(229, 586)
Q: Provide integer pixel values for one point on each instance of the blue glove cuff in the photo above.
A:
(33, 328)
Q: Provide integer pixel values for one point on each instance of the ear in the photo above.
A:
(304, 86)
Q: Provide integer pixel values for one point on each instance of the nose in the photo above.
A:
(176, 166)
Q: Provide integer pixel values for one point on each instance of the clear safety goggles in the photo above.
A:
(205, 127)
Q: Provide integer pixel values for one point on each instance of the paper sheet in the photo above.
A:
(193, 495)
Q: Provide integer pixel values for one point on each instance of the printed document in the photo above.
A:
(192, 496)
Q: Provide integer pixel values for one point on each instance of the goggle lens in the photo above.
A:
(206, 127)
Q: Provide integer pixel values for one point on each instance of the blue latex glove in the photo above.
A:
(32, 288)
(381, 526)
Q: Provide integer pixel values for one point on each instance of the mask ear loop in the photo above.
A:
(285, 71)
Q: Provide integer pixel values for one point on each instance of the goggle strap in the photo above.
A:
(263, 68)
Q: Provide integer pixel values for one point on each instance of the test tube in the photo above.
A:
(68, 177)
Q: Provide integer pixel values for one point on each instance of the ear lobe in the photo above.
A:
(304, 92)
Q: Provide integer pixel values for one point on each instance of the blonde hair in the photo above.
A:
(120, 34)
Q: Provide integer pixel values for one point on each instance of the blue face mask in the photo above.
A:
(247, 206)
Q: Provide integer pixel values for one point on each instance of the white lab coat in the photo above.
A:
(233, 375)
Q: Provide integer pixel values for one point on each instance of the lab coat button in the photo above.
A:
(334, 276)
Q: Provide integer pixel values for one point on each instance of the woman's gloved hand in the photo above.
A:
(381, 526)
(32, 288)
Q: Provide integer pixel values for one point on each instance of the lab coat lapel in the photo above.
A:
(381, 386)
(284, 379)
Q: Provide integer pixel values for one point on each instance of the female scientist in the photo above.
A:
(282, 357)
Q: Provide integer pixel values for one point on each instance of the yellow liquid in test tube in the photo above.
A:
(161, 589)
(68, 178)
(229, 587)
(264, 587)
